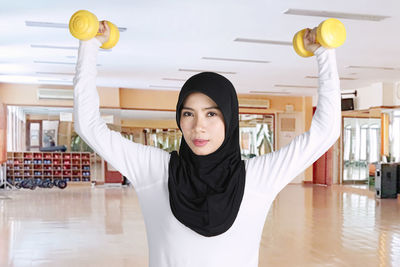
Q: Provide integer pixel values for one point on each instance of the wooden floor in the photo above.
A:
(306, 226)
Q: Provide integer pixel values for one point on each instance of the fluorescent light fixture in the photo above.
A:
(237, 60)
(332, 14)
(56, 62)
(259, 41)
(372, 68)
(53, 62)
(61, 82)
(54, 73)
(270, 92)
(55, 47)
(295, 86)
(217, 71)
(164, 86)
(57, 25)
(174, 79)
(340, 78)
(63, 47)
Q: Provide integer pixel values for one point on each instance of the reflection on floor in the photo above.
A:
(306, 226)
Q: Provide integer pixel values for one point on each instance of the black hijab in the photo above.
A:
(205, 192)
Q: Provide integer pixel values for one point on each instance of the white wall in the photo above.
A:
(391, 94)
(371, 96)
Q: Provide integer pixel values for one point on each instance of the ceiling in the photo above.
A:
(166, 42)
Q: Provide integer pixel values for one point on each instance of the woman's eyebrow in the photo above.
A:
(214, 107)
(211, 108)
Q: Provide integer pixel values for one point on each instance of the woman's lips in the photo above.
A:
(200, 142)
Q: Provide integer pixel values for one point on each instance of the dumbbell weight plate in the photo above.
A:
(62, 184)
(331, 33)
(298, 44)
(114, 36)
(83, 25)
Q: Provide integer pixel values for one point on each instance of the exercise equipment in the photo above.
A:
(60, 183)
(331, 33)
(84, 25)
(386, 180)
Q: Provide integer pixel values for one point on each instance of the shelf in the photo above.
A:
(73, 167)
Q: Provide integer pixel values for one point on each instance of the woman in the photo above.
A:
(205, 206)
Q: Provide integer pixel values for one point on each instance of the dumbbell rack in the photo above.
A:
(72, 167)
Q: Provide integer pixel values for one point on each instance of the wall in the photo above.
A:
(370, 96)
(23, 95)
(391, 94)
(124, 98)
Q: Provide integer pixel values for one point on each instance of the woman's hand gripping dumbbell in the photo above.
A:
(84, 25)
(330, 33)
(310, 40)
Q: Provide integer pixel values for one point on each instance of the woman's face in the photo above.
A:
(202, 124)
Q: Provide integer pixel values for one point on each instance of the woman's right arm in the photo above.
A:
(143, 165)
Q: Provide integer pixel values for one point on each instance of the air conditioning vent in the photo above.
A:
(56, 94)
(254, 103)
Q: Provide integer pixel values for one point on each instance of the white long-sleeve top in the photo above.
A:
(171, 244)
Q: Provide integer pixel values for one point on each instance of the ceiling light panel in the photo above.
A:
(373, 68)
(260, 41)
(63, 47)
(236, 60)
(331, 14)
(42, 24)
(54, 73)
(340, 78)
(164, 86)
(55, 47)
(56, 62)
(295, 86)
(217, 71)
(269, 92)
(174, 79)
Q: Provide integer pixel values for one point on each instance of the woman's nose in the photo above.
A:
(199, 124)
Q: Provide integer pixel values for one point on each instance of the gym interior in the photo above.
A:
(62, 204)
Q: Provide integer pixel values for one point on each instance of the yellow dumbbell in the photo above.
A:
(84, 25)
(331, 33)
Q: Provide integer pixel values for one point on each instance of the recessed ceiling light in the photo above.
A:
(259, 41)
(331, 14)
(237, 60)
(217, 71)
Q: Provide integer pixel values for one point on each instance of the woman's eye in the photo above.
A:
(187, 114)
(212, 114)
